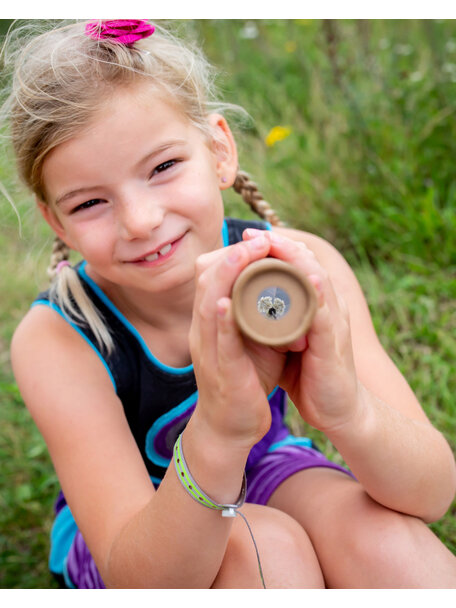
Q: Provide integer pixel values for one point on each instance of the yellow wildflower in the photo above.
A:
(290, 46)
(276, 134)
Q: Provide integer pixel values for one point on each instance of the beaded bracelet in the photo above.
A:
(196, 492)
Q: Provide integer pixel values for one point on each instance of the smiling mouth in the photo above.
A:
(163, 252)
(154, 256)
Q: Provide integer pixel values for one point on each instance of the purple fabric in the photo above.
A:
(278, 465)
(166, 436)
(277, 431)
(59, 503)
(81, 567)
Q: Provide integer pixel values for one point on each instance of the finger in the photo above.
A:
(217, 281)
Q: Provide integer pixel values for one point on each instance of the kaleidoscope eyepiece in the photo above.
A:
(273, 303)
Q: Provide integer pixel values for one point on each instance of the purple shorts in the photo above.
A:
(280, 462)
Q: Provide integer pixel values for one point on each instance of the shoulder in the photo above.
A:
(44, 328)
(46, 351)
(333, 262)
(39, 323)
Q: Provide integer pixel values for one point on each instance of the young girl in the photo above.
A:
(135, 372)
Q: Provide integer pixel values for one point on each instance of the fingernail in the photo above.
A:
(316, 282)
(257, 243)
(252, 232)
(222, 309)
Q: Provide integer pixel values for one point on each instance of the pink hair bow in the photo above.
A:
(121, 31)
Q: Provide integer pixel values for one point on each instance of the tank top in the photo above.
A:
(158, 400)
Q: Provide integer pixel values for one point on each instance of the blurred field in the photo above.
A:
(365, 159)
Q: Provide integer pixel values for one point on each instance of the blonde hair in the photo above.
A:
(60, 78)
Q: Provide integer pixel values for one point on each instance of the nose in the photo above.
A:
(138, 214)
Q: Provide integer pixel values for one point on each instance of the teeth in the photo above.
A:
(164, 250)
(152, 258)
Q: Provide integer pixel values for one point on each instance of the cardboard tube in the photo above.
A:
(273, 303)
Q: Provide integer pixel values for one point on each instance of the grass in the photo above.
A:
(368, 165)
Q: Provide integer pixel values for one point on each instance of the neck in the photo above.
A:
(162, 310)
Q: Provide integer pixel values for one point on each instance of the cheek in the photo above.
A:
(200, 198)
(92, 243)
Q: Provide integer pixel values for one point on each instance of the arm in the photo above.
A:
(368, 410)
(138, 537)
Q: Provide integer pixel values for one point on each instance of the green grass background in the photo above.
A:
(368, 165)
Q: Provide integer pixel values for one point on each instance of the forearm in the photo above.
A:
(174, 542)
(402, 463)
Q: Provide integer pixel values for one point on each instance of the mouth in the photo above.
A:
(160, 254)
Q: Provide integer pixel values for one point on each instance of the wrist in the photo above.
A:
(216, 464)
(360, 424)
(197, 493)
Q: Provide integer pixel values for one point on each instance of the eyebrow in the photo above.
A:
(68, 195)
(155, 152)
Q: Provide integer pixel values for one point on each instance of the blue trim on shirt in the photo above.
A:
(79, 331)
(63, 532)
(104, 298)
(291, 440)
(66, 577)
(273, 392)
(160, 423)
(225, 235)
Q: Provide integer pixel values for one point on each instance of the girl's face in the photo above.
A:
(138, 193)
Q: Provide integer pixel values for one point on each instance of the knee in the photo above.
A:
(286, 554)
(379, 537)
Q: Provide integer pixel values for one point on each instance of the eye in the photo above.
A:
(87, 205)
(164, 166)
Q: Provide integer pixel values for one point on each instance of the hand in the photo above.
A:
(234, 376)
(319, 374)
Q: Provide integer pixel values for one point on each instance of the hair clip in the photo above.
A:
(120, 31)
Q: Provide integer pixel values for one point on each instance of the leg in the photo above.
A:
(286, 553)
(359, 543)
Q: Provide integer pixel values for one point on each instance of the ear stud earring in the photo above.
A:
(223, 180)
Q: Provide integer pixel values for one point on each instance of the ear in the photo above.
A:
(51, 218)
(224, 148)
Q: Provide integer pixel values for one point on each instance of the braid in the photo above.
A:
(244, 186)
(67, 292)
(60, 252)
